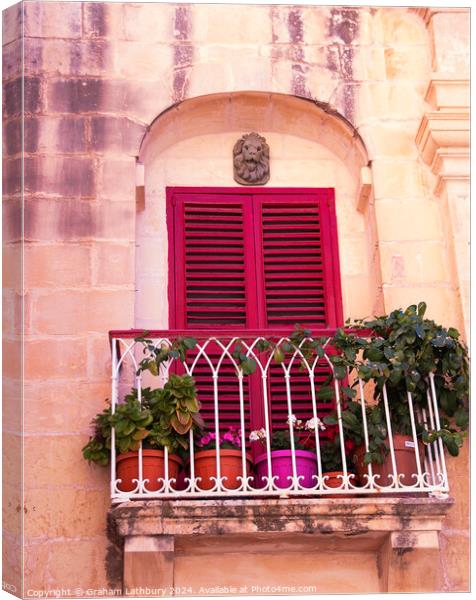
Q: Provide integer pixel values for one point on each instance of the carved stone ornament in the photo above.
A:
(251, 160)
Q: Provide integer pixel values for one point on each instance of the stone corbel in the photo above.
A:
(140, 187)
(148, 563)
(365, 188)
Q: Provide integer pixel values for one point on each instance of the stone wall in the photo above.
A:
(96, 76)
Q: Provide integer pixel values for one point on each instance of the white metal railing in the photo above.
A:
(214, 352)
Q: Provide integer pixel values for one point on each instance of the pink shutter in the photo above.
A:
(254, 259)
(295, 236)
(210, 285)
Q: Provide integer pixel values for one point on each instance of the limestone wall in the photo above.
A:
(96, 77)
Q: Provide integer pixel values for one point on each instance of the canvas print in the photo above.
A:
(236, 299)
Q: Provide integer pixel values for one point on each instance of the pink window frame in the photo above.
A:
(332, 280)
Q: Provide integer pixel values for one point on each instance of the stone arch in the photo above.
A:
(312, 145)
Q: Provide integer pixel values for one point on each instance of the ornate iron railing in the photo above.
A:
(214, 358)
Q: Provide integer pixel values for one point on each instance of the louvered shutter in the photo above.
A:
(264, 259)
(294, 234)
(214, 263)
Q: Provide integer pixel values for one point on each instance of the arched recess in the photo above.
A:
(310, 146)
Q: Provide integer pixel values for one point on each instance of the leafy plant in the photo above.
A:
(174, 409)
(353, 428)
(132, 425)
(98, 448)
(400, 351)
(157, 355)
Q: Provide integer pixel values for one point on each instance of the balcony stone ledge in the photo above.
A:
(401, 532)
(350, 516)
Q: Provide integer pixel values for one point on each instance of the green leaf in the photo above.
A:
(140, 435)
(325, 393)
(461, 418)
(152, 367)
(348, 392)
(421, 309)
(189, 343)
(340, 372)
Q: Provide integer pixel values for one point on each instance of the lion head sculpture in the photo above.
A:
(251, 160)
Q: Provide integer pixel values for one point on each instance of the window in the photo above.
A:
(253, 259)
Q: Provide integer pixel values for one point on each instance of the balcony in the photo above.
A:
(291, 386)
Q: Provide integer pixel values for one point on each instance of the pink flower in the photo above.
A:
(228, 437)
(205, 440)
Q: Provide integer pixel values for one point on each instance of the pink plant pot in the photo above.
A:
(282, 468)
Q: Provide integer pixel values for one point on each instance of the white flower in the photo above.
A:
(257, 435)
(292, 420)
(313, 423)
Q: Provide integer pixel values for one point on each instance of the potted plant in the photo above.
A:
(162, 419)
(378, 453)
(331, 459)
(403, 353)
(281, 454)
(231, 459)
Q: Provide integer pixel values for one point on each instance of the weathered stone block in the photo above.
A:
(74, 57)
(12, 18)
(62, 176)
(451, 32)
(84, 95)
(58, 134)
(91, 310)
(398, 179)
(60, 454)
(49, 409)
(65, 515)
(12, 137)
(441, 301)
(119, 135)
(413, 62)
(145, 100)
(400, 27)
(104, 19)
(53, 19)
(49, 359)
(67, 265)
(11, 176)
(116, 179)
(36, 559)
(230, 24)
(151, 22)
(12, 60)
(394, 224)
(99, 357)
(113, 264)
(12, 96)
(84, 556)
(414, 262)
(12, 219)
(66, 219)
(139, 60)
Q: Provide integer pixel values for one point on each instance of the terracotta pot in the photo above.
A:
(404, 457)
(334, 481)
(230, 467)
(127, 469)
